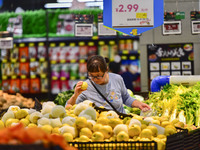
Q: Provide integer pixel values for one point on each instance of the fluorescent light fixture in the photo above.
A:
(58, 5)
(95, 4)
(64, 1)
(86, 0)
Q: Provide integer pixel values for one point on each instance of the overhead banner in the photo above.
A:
(133, 17)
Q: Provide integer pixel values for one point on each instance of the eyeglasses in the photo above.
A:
(97, 77)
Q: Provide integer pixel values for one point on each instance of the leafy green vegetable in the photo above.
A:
(63, 97)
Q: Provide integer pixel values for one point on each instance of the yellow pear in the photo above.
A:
(143, 126)
(179, 124)
(25, 122)
(114, 121)
(122, 136)
(165, 123)
(134, 130)
(10, 121)
(140, 118)
(97, 127)
(81, 122)
(21, 113)
(47, 128)
(153, 129)
(106, 130)
(83, 138)
(103, 120)
(97, 137)
(56, 130)
(156, 122)
(68, 137)
(32, 125)
(175, 121)
(84, 86)
(169, 131)
(146, 133)
(86, 131)
(161, 136)
(126, 119)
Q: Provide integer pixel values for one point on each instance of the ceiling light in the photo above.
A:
(95, 4)
(58, 5)
(64, 1)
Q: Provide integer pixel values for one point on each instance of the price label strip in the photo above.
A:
(129, 13)
(6, 43)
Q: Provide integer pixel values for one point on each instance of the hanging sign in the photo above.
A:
(195, 27)
(129, 13)
(133, 17)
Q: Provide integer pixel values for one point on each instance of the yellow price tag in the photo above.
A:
(4, 60)
(41, 44)
(23, 76)
(21, 45)
(62, 61)
(42, 59)
(22, 60)
(95, 38)
(141, 15)
(82, 60)
(62, 44)
(43, 76)
(4, 77)
(32, 59)
(72, 78)
(124, 58)
(13, 76)
(132, 57)
(31, 44)
(73, 60)
(54, 78)
(125, 51)
(62, 78)
(53, 62)
(33, 76)
(82, 77)
(52, 45)
(13, 60)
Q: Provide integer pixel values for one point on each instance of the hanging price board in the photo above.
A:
(84, 30)
(129, 13)
(195, 27)
(171, 27)
(133, 17)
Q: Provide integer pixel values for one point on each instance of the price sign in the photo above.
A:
(6, 43)
(84, 30)
(171, 27)
(195, 27)
(105, 31)
(132, 13)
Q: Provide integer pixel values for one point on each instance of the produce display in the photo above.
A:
(7, 100)
(177, 101)
(82, 123)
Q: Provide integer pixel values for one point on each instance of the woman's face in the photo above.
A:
(98, 77)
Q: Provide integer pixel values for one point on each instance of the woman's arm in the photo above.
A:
(77, 92)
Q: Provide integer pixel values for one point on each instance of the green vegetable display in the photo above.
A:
(63, 97)
(173, 99)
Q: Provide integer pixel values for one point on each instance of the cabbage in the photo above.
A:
(69, 120)
(58, 111)
(68, 129)
(56, 122)
(8, 115)
(35, 116)
(43, 121)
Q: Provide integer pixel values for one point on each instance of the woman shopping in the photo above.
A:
(104, 85)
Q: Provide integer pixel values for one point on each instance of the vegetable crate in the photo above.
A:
(139, 145)
(192, 140)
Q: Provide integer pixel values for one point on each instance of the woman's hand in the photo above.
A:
(141, 105)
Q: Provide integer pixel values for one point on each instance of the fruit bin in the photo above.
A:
(136, 145)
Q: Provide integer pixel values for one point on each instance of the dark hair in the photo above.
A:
(97, 63)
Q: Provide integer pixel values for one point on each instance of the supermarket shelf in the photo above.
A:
(28, 40)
